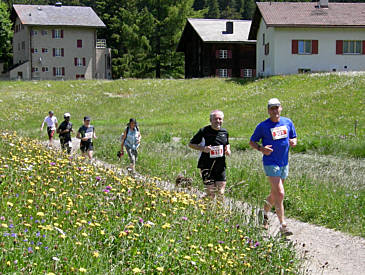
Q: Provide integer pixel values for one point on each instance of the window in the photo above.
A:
(33, 32)
(44, 32)
(303, 70)
(223, 54)
(263, 39)
(223, 73)
(35, 69)
(35, 50)
(80, 61)
(58, 52)
(246, 72)
(44, 69)
(57, 33)
(267, 49)
(263, 65)
(305, 46)
(58, 71)
(78, 76)
(352, 47)
(44, 50)
(79, 43)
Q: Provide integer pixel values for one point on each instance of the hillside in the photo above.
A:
(326, 186)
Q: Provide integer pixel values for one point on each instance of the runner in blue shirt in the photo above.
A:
(277, 134)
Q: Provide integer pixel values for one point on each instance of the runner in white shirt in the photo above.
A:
(52, 125)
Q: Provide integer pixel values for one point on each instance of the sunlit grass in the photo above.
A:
(60, 215)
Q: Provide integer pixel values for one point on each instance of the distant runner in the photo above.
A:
(64, 132)
(52, 125)
(277, 134)
(131, 140)
(212, 141)
(86, 133)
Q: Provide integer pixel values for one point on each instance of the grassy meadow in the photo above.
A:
(326, 182)
(60, 215)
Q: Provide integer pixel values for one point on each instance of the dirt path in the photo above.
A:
(326, 251)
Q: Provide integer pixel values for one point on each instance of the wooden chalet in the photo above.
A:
(218, 47)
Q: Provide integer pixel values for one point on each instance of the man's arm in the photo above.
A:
(201, 148)
(293, 142)
(267, 150)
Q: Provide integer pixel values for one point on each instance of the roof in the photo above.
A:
(307, 14)
(212, 30)
(57, 16)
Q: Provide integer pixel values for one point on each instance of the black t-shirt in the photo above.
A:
(65, 125)
(86, 131)
(214, 138)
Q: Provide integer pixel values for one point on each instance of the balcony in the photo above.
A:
(100, 43)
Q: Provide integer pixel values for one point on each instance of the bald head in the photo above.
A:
(216, 119)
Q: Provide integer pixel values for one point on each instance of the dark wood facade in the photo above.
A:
(203, 59)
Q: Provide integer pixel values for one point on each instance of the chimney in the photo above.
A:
(323, 3)
(58, 4)
(229, 27)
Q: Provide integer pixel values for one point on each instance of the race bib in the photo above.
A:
(216, 151)
(89, 134)
(279, 132)
(70, 144)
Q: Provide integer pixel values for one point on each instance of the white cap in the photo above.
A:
(66, 115)
(273, 102)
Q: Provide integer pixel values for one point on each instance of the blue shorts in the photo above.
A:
(276, 171)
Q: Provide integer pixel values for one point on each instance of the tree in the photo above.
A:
(248, 9)
(5, 35)
(199, 4)
(230, 11)
(213, 11)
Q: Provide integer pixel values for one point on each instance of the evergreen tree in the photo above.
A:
(199, 4)
(5, 35)
(230, 11)
(248, 9)
(213, 9)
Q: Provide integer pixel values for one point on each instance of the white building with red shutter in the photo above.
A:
(56, 42)
(294, 37)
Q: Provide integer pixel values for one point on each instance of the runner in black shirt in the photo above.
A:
(86, 133)
(212, 141)
(64, 131)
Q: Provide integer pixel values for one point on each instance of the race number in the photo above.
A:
(216, 151)
(89, 134)
(70, 144)
(279, 132)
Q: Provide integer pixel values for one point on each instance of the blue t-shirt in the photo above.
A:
(276, 134)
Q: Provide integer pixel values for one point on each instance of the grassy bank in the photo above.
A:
(63, 216)
(324, 108)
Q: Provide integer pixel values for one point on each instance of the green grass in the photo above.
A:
(326, 183)
(60, 215)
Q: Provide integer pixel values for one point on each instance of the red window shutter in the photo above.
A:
(241, 72)
(42, 50)
(83, 76)
(63, 70)
(43, 69)
(79, 43)
(216, 53)
(253, 73)
(32, 50)
(339, 46)
(216, 72)
(363, 47)
(53, 34)
(54, 71)
(229, 72)
(54, 52)
(32, 70)
(314, 46)
(62, 52)
(294, 46)
(61, 33)
(77, 76)
(229, 54)
(75, 59)
(83, 61)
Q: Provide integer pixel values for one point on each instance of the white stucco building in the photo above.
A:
(294, 37)
(57, 42)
